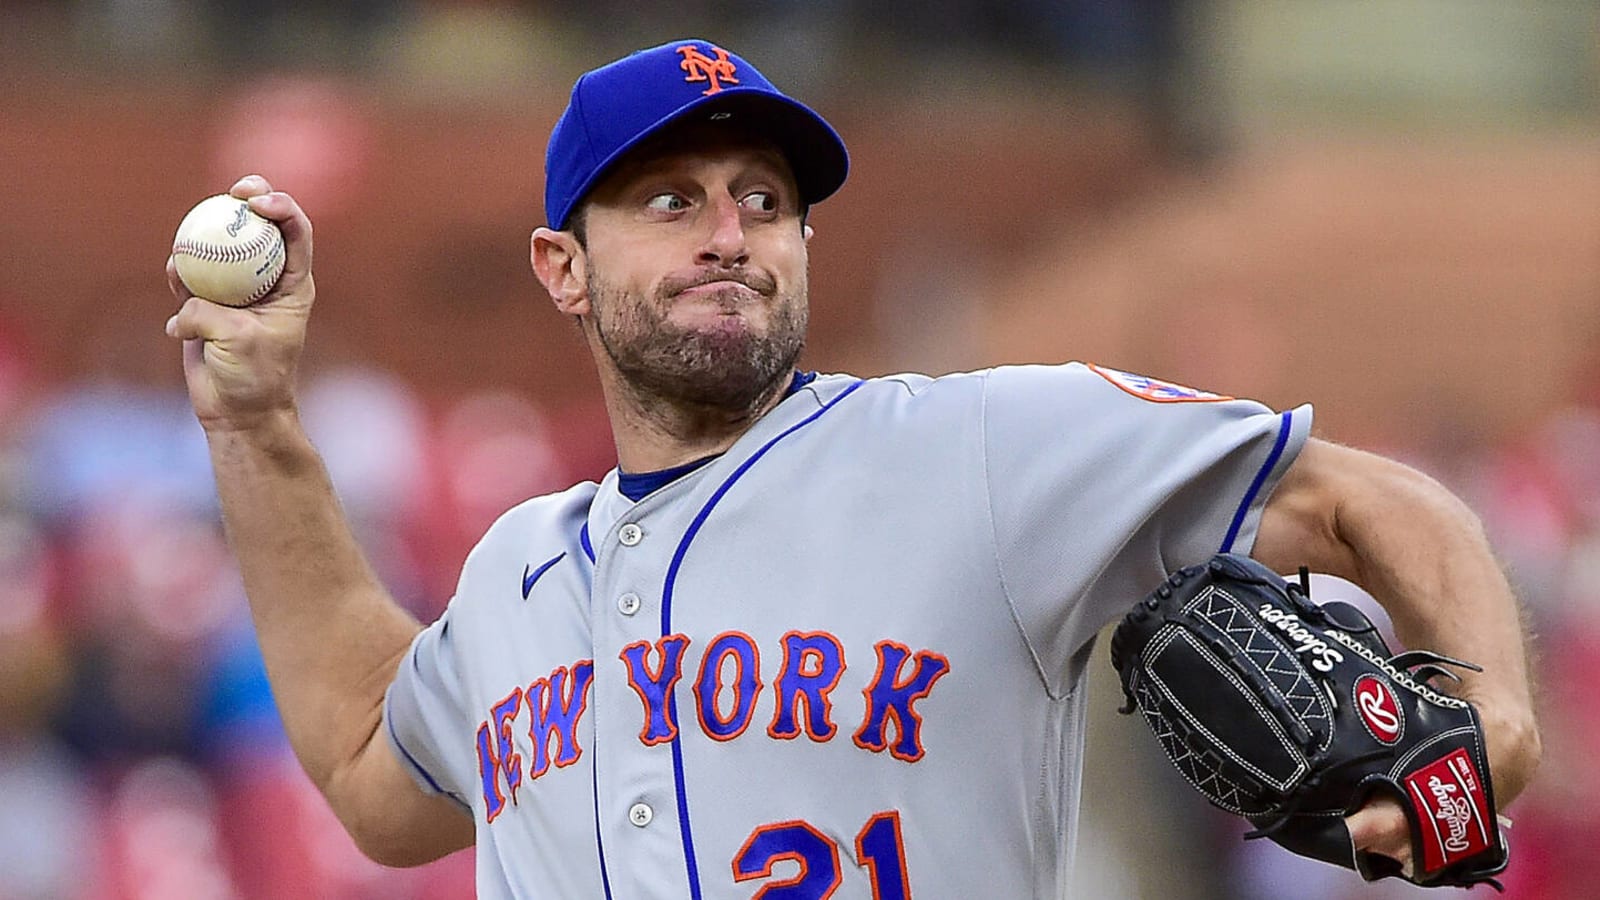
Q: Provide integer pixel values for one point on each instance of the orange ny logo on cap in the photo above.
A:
(701, 67)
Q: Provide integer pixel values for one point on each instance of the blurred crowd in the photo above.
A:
(140, 753)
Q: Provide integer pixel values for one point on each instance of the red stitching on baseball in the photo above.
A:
(264, 239)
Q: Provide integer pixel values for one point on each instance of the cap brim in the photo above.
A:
(815, 152)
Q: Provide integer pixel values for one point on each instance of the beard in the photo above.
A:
(728, 366)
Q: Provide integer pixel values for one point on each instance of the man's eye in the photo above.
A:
(667, 202)
(760, 201)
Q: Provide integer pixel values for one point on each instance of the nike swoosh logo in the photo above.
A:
(530, 574)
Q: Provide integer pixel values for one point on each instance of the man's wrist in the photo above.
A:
(273, 435)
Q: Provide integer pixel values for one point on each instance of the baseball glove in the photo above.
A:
(1291, 714)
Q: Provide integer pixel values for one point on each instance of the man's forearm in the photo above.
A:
(330, 634)
(331, 637)
(1423, 554)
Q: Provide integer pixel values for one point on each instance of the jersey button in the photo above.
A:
(630, 535)
(640, 814)
(628, 603)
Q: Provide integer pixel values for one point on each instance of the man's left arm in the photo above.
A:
(1422, 554)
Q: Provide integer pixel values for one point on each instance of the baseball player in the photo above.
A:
(816, 635)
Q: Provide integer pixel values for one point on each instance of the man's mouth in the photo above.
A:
(721, 287)
(720, 283)
(731, 282)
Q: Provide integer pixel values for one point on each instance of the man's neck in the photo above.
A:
(652, 433)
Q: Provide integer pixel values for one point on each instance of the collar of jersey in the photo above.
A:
(638, 485)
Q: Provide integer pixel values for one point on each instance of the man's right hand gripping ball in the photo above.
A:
(1294, 715)
(240, 362)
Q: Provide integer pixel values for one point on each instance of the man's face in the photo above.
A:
(697, 271)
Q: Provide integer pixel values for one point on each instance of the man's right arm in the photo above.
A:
(330, 634)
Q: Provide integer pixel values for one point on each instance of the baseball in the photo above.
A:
(226, 253)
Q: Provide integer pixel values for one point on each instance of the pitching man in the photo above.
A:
(815, 632)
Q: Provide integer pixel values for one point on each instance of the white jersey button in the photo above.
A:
(628, 603)
(640, 814)
(630, 535)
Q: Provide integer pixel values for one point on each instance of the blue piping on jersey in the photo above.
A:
(418, 766)
(594, 766)
(666, 622)
(599, 842)
(1261, 478)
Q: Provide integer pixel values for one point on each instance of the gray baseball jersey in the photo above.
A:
(844, 658)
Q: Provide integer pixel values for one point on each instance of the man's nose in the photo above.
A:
(725, 245)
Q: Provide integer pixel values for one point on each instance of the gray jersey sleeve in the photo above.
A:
(434, 709)
(422, 715)
(1100, 482)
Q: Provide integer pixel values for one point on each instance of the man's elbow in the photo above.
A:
(391, 820)
(399, 851)
(409, 840)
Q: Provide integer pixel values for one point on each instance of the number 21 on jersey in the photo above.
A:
(879, 849)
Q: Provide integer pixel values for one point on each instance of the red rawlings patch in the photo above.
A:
(1452, 809)
(1379, 709)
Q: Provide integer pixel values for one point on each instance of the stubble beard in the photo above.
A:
(729, 369)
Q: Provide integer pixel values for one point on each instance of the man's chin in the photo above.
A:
(735, 392)
(722, 367)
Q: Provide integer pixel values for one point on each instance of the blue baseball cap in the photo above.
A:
(615, 107)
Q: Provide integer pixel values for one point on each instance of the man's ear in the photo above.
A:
(562, 267)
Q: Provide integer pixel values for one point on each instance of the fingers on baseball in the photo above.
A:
(250, 186)
(287, 214)
(175, 284)
(202, 320)
(296, 227)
